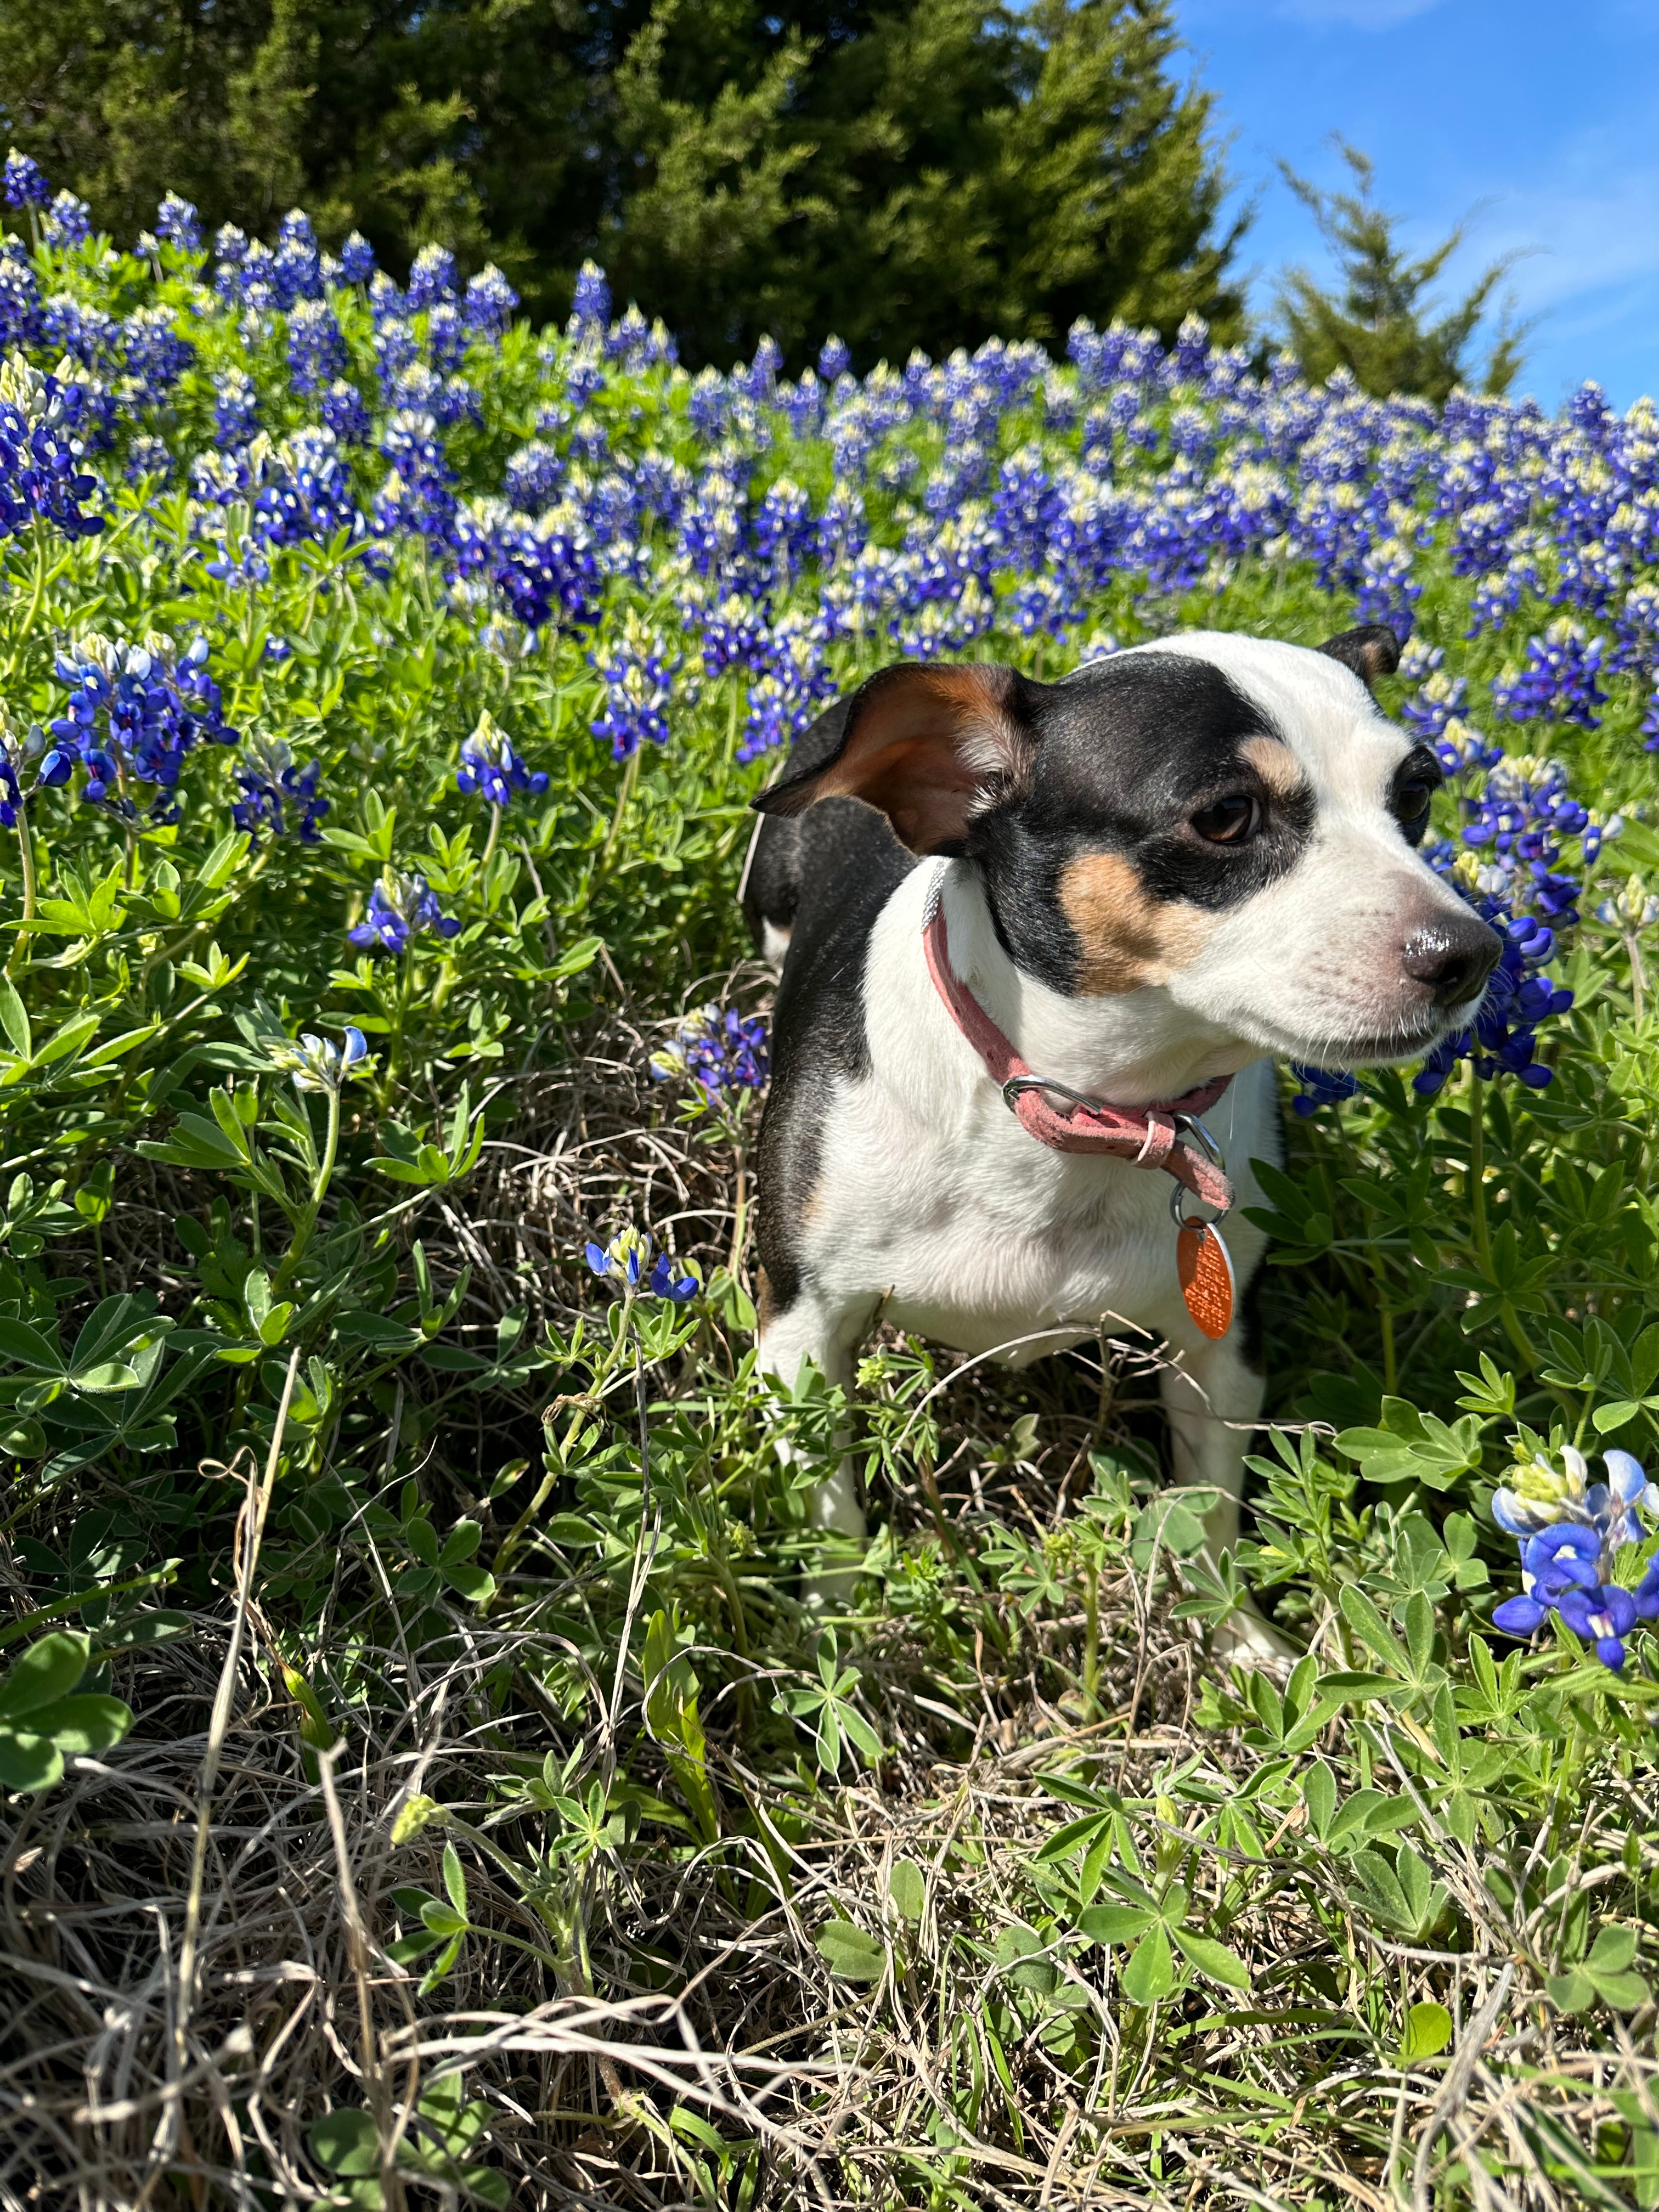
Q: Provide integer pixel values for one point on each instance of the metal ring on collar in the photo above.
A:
(1178, 1194)
(1015, 1084)
(1193, 1128)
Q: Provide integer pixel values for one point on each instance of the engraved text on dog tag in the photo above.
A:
(1207, 1276)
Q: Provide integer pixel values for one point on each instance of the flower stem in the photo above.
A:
(489, 842)
(330, 1146)
(398, 1017)
(630, 776)
(26, 862)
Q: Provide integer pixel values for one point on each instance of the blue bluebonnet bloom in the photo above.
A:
(25, 181)
(1504, 1038)
(356, 259)
(235, 409)
(1559, 681)
(41, 474)
(491, 766)
(316, 346)
(489, 302)
(156, 355)
(315, 1064)
(834, 360)
(721, 1050)
(133, 712)
(1321, 1086)
(67, 222)
(591, 303)
(18, 752)
(274, 790)
(636, 670)
(149, 459)
(178, 224)
(431, 278)
(344, 413)
(400, 908)
(627, 1260)
(1571, 1531)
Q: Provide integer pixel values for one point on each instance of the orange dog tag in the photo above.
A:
(1206, 1277)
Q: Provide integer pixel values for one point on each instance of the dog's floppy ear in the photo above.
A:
(1371, 651)
(929, 746)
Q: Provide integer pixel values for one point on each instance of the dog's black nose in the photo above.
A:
(1451, 956)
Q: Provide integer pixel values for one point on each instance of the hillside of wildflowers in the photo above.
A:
(424, 1778)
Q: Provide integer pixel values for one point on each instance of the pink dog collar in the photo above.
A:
(1147, 1137)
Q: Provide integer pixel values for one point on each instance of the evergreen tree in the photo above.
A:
(915, 173)
(1377, 328)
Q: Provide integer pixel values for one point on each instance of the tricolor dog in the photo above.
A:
(1040, 944)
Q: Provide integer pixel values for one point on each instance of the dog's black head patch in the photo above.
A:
(1128, 822)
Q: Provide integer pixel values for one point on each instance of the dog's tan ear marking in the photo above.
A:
(929, 747)
(1371, 651)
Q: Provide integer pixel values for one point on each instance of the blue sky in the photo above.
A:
(1544, 111)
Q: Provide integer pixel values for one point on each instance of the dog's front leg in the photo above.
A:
(1213, 1399)
(813, 1329)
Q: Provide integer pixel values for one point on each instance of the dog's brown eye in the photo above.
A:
(1228, 821)
(1410, 801)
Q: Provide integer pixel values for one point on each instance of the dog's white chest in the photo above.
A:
(982, 1238)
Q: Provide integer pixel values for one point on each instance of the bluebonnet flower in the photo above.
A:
(590, 305)
(25, 181)
(1632, 909)
(1559, 682)
(636, 670)
(156, 355)
(235, 409)
(41, 474)
(1318, 1087)
(1504, 1038)
(178, 224)
(1571, 1531)
(491, 766)
(318, 1066)
(722, 1051)
(149, 459)
(401, 908)
(419, 494)
(446, 335)
(272, 787)
(344, 413)
(396, 348)
(356, 259)
(627, 1260)
(431, 278)
(133, 712)
(16, 754)
(299, 489)
(834, 361)
(489, 303)
(316, 346)
(534, 474)
(1520, 817)
(67, 222)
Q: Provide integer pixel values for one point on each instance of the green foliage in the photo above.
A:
(1382, 326)
(47, 1716)
(928, 173)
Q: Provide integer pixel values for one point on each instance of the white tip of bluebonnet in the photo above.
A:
(1626, 1476)
(1512, 1515)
